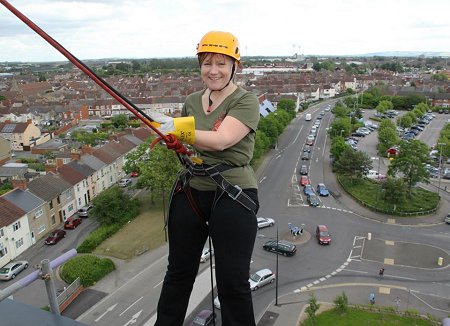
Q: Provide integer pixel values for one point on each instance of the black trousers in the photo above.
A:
(233, 230)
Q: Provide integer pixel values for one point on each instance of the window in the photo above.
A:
(19, 243)
(53, 219)
(16, 226)
(1, 233)
(70, 208)
(58, 200)
(51, 204)
(38, 213)
(41, 228)
(79, 201)
(68, 195)
(3, 252)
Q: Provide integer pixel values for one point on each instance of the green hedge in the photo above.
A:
(88, 268)
(94, 239)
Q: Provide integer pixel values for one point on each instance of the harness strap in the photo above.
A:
(233, 191)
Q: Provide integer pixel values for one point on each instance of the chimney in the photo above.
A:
(75, 155)
(19, 183)
(87, 149)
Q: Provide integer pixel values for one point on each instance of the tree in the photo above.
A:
(312, 308)
(410, 162)
(353, 164)
(394, 190)
(2, 98)
(120, 121)
(338, 147)
(341, 303)
(134, 159)
(113, 205)
(387, 138)
(159, 172)
(340, 127)
(384, 106)
(287, 105)
(269, 129)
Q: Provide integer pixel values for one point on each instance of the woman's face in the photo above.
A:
(216, 70)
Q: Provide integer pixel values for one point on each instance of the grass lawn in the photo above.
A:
(371, 193)
(360, 317)
(145, 232)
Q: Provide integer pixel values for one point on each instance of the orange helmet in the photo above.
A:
(220, 42)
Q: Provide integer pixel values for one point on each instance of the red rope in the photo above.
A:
(98, 80)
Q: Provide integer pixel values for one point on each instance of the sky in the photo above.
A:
(95, 29)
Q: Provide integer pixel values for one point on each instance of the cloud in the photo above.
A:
(145, 28)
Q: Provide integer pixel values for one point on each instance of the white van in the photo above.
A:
(308, 117)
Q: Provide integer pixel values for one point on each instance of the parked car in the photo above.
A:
(54, 237)
(322, 190)
(313, 200)
(284, 248)
(134, 174)
(84, 211)
(12, 269)
(307, 190)
(124, 182)
(447, 219)
(72, 222)
(305, 156)
(206, 254)
(303, 170)
(307, 148)
(304, 180)
(264, 222)
(322, 234)
(217, 302)
(204, 317)
(261, 278)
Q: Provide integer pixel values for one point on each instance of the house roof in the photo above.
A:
(92, 161)
(13, 128)
(84, 169)
(8, 172)
(24, 199)
(48, 186)
(71, 175)
(9, 213)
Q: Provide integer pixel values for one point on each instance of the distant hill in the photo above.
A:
(406, 54)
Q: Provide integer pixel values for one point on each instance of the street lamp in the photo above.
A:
(440, 162)
(276, 273)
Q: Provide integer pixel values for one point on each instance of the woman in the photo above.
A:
(223, 207)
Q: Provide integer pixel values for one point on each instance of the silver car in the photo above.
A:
(206, 254)
(264, 222)
(261, 278)
(447, 219)
(10, 270)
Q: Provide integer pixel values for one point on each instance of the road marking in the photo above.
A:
(384, 290)
(158, 284)
(316, 282)
(131, 305)
(107, 310)
(388, 261)
(134, 318)
(389, 243)
(401, 277)
(264, 178)
(356, 271)
(322, 279)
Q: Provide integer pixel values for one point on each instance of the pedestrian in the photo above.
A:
(372, 298)
(381, 273)
(217, 196)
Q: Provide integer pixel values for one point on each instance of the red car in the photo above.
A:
(54, 237)
(72, 222)
(322, 235)
(134, 174)
(304, 180)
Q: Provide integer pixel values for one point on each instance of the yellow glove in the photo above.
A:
(183, 128)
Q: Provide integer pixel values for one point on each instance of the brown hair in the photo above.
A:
(204, 55)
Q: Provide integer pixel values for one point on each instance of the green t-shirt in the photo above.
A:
(242, 105)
